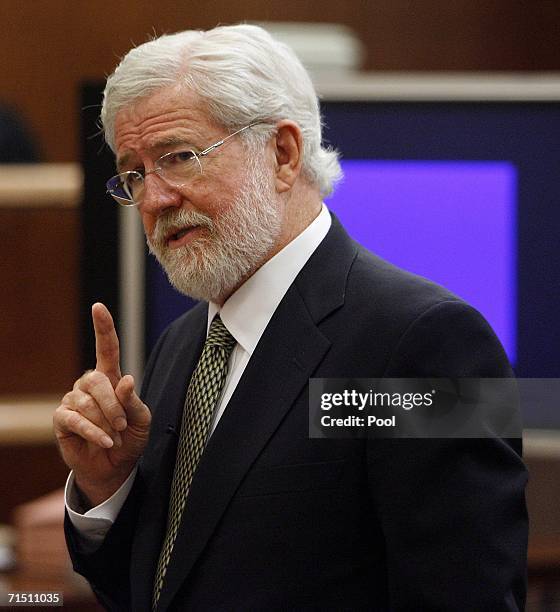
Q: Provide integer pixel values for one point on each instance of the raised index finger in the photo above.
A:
(106, 343)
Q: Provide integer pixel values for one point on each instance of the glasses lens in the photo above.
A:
(126, 188)
(179, 167)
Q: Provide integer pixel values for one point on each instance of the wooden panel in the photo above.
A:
(30, 464)
(48, 48)
(39, 302)
(27, 472)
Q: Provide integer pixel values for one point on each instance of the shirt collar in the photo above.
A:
(246, 312)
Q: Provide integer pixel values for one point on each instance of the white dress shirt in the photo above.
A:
(246, 315)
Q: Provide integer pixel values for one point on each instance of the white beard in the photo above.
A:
(236, 244)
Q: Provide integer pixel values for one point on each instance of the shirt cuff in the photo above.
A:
(94, 524)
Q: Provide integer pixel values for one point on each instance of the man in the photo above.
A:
(205, 492)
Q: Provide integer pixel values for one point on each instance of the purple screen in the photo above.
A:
(452, 222)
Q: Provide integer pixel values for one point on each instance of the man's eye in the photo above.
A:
(180, 157)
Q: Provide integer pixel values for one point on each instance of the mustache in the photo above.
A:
(174, 220)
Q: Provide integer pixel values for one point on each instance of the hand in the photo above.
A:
(102, 426)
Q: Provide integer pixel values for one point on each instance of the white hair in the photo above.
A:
(242, 75)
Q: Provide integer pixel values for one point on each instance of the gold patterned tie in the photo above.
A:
(203, 392)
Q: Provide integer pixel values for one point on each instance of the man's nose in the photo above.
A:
(158, 195)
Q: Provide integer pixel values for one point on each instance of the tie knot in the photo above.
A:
(219, 336)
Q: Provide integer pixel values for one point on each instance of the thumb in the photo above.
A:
(137, 413)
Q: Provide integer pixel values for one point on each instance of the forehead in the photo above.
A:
(167, 115)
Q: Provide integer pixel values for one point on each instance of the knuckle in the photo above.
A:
(93, 381)
(84, 403)
(73, 421)
(110, 351)
(67, 398)
(58, 415)
(79, 383)
(95, 378)
(108, 354)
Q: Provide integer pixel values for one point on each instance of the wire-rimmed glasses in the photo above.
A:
(176, 167)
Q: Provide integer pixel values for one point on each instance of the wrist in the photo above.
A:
(91, 494)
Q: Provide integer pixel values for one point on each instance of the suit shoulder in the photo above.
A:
(425, 318)
(383, 286)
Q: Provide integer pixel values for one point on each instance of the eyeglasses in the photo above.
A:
(177, 168)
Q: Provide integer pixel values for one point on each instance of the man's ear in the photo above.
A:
(289, 152)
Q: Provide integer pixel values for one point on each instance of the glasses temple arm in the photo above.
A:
(221, 142)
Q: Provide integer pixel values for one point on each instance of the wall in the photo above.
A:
(39, 262)
(49, 47)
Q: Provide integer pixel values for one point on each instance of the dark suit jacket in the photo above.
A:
(277, 521)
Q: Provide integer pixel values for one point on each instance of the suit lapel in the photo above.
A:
(291, 349)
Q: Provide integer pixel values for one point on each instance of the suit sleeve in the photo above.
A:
(452, 511)
(107, 569)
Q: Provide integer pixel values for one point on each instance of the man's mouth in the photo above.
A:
(178, 237)
(178, 234)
